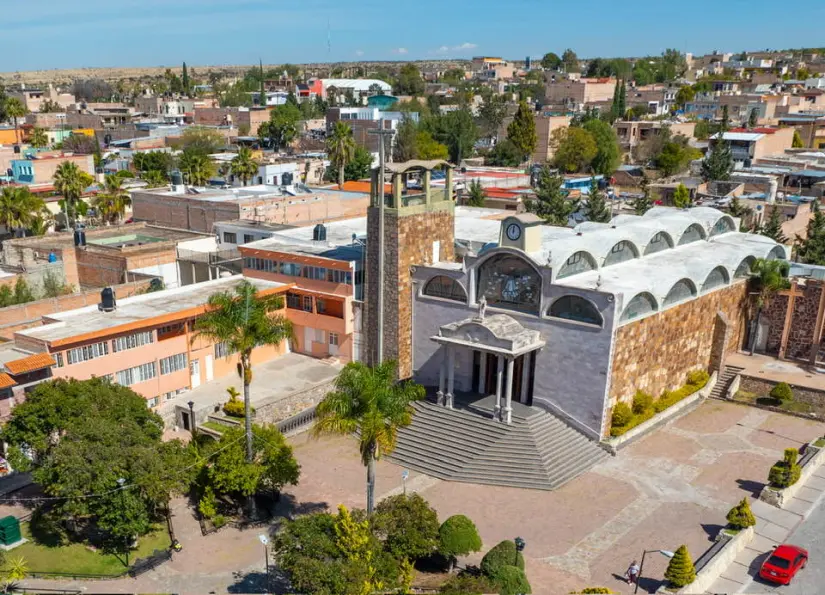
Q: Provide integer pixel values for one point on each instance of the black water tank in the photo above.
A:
(286, 179)
(17, 149)
(319, 233)
(107, 299)
(177, 177)
(79, 237)
(107, 139)
(156, 284)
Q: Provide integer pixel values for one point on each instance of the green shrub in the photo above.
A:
(234, 407)
(219, 521)
(637, 419)
(741, 516)
(594, 591)
(512, 581)
(466, 584)
(208, 506)
(680, 572)
(502, 555)
(782, 392)
(642, 402)
(698, 378)
(786, 472)
(458, 536)
(407, 525)
(622, 414)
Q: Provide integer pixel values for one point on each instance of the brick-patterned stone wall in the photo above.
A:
(803, 321)
(409, 234)
(775, 313)
(655, 354)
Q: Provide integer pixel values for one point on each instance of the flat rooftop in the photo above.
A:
(136, 310)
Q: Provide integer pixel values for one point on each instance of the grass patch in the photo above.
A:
(213, 425)
(820, 443)
(790, 406)
(78, 558)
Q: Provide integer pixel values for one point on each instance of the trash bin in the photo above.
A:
(9, 530)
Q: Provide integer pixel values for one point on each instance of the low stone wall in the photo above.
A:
(734, 387)
(276, 409)
(714, 568)
(763, 387)
(686, 405)
(779, 498)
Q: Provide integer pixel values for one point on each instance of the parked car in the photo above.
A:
(783, 564)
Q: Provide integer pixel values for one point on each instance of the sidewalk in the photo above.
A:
(773, 526)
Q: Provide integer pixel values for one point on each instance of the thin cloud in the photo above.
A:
(400, 51)
(463, 47)
(359, 52)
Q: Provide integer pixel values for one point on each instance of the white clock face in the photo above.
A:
(513, 231)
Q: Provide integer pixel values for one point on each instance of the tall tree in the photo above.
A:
(723, 128)
(615, 114)
(475, 194)
(773, 227)
(406, 141)
(570, 61)
(574, 149)
(282, 127)
(811, 249)
(19, 208)
(681, 197)
(622, 107)
(642, 204)
(768, 277)
(185, 80)
(262, 96)
(371, 403)
(111, 204)
(409, 81)
(522, 131)
(798, 143)
(243, 320)
(70, 181)
(243, 165)
(608, 153)
(341, 148)
(551, 61)
(597, 208)
(15, 109)
(458, 131)
(753, 118)
(38, 138)
(198, 167)
(551, 202)
(718, 163)
(491, 115)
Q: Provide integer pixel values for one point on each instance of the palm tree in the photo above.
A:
(112, 202)
(19, 208)
(40, 224)
(198, 166)
(71, 182)
(154, 178)
(370, 402)
(244, 320)
(39, 138)
(243, 165)
(15, 109)
(768, 277)
(341, 148)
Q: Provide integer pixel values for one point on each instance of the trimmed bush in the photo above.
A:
(512, 581)
(786, 472)
(741, 516)
(698, 378)
(467, 584)
(407, 525)
(234, 407)
(642, 402)
(782, 392)
(501, 556)
(637, 419)
(680, 572)
(622, 414)
(457, 536)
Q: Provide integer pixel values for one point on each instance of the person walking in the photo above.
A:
(632, 574)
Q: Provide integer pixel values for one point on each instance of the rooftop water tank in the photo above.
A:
(319, 233)
(108, 303)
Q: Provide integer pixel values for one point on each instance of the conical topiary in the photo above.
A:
(680, 571)
(740, 516)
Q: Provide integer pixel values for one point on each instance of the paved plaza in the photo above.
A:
(674, 486)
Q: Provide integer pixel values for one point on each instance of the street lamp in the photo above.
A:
(121, 482)
(665, 553)
(192, 417)
(520, 545)
(265, 541)
(404, 475)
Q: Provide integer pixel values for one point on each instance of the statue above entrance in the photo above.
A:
(482, 309)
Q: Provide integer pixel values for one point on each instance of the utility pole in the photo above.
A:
(381, 133)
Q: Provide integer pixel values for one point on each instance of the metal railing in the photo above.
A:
(290, 424)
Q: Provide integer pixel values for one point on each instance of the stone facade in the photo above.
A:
(411, 237)
(801, 333)
(656, 353)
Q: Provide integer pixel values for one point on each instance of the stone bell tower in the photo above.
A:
(419, 229)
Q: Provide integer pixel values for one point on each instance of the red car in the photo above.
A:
(783, 564)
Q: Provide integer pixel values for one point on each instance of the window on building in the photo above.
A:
(223, 349)
(621, 252)
(694, 233)
(173, 363)
(744, 269)
(335, 276)
(132, 341)
(248, 238)
(230, 237)
(87, 352)
(445, 288)
(661, 241)
(293, 300)
(170, 330)
(777, 253)
(573, 307)
(137, 374)
(291, 269)
(509, 281)
(716, 278)
(579, 262)
(153, 402)
(317, 273)
(724, 225)
(320, 305)
(58, 358)
(333, 339)
(307, 303)
(682, 290)
(642, 304)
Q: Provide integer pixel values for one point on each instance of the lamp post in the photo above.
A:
(665, 553)
(404, 475)
(520, 545)
(120, 482)
(265, 541)
(192, 418)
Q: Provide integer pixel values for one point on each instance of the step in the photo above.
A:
(446, 434)
(445, 450)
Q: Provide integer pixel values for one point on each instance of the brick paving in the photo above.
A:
(672, 487)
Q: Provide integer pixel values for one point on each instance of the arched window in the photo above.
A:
(716, 278)
(642, 304)
(744, 268)
(573, 307)
(683, 289)
(724, 225)
(508, 281)
(446, 288)
(778, 252)
(580, 262)
(621, 252)
(661, 241)
(694, 233)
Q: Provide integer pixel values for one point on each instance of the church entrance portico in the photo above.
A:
(503, 360)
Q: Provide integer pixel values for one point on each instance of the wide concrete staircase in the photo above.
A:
(724, 380)
(536, 451)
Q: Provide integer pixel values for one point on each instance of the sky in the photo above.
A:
(48, 34)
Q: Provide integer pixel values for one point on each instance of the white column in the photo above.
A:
(499, 381)
(525, 377)
(482, 372)
(442, 378)
(450, 375)
(508, 393)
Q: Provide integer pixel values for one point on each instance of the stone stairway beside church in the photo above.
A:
(720, 390)
(536, 451)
